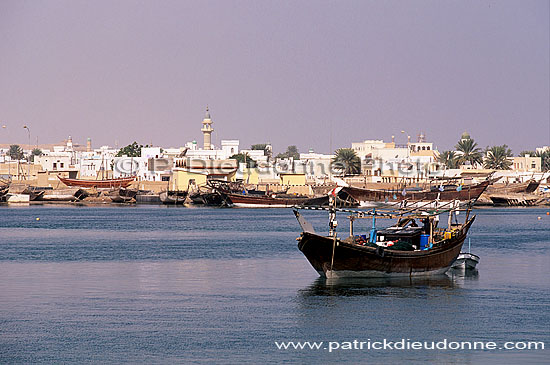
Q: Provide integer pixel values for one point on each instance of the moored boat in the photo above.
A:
(466, 260)
(100, 184)
(366, 197)
(34, 194)
(17, 198)
(173, 197)
(515, 199)
(265, 201)
(122, 195)
(403, 249)
(63, 195)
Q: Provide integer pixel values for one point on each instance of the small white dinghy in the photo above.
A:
(466, 260)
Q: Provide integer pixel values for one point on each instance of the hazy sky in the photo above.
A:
(285, 72)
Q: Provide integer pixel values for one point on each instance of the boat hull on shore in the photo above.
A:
(173, 197)
(100, 184)
(64, 195)
(368, 197)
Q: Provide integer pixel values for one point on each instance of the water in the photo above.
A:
(152, 284)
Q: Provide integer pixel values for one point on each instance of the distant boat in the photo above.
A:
(4, 189)
(61, 195)
(529, 186)
(265, 201)
(173, 197)
(105, 183)
(366, 197)
(209, 196)
(17, 198)
(515, 199)
(123, 195)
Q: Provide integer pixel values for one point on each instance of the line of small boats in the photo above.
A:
(234, 194)
(221, 193)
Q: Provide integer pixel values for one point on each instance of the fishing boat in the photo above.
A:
(99, 184)
(265, 201)
(173, 197)
(368, 197)
(122, 195)
(414, 246)
(210, 197)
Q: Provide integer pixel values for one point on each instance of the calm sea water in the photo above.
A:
(153, 284)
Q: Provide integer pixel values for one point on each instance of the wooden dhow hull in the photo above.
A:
(366, 196)
(123, 195)
(107, 183)
(64, 195)
(173, 197)
(337, 258)
(263, 201)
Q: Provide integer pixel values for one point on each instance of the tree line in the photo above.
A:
(495, 158)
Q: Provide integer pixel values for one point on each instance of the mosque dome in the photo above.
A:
(465, 135)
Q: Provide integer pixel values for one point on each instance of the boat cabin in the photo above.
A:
(410, 235)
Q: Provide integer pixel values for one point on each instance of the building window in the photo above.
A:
(61, 165)
(54, 166)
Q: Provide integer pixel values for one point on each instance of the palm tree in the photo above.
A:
(530, 153)
(15, 152)
(244, 158)
(497, 158)
(544, 160)
(449, 159)
(469, 152)
(346, 161)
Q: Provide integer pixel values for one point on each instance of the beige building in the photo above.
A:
(292, 179)
(526, 164)
(189, 172)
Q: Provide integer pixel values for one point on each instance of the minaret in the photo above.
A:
(207, 130)
(70, 144)
(89, 145)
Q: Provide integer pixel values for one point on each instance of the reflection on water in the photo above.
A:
(373, 286)
(458, 273)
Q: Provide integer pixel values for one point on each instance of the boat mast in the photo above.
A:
(332, 223)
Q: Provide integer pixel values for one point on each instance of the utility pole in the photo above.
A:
(30, 153)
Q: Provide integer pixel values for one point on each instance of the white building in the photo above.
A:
(97, 162)
(316, 166)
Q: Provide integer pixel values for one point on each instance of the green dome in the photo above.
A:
(465, 135)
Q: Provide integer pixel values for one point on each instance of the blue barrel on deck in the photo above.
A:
(424, 241)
